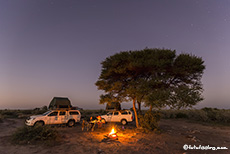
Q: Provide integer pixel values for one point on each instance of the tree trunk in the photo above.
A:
(151, 108)
(135, 112)
(139, 107)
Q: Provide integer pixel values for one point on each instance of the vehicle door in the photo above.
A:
(62, 118)
(52, 118)
(116, 116)
(125, 115)
(109, 116)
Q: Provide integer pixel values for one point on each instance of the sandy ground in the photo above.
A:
(174, 135)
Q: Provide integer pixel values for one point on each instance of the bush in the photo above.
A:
(1, 119)
(36, 112)
(198, 115)
(181, 115)
(26, 112)
(28, 135)
(150, 120)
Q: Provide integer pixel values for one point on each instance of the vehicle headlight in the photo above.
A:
(30, 119)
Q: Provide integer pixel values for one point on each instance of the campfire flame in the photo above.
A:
(113, 133)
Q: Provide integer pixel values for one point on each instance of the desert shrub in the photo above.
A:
(181, 115)
(217, 115)
(1, 118)
(224, 116)
(87, 112)
(27, 135)
(39, 111)
(211, 113)
(26, 111)
(198, 115)
(102, 112)
(168, 114)
(149, 121)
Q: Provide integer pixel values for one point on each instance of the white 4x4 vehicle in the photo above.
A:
(68, 117)
(122, 116)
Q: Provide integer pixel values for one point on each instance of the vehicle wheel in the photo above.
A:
(39, 123)
(71, 123)
(123, 122)
(103, 121)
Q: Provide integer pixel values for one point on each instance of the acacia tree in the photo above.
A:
(156, 77)
(125, 76)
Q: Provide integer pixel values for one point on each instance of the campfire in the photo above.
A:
(112, 136)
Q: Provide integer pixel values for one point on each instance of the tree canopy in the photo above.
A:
(157, 77)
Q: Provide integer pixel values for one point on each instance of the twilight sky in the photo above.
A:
(54, 48)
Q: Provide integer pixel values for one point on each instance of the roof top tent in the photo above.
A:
(113, 106)
(60, 103)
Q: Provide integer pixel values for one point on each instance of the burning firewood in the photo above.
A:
(112, 136)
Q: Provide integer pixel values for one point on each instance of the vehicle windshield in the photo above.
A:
(46, 113)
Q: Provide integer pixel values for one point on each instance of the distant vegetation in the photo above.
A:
(1, 119)
(213, 115)
(21, 113)
(86, 114)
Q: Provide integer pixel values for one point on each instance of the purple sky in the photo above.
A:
(54, 48)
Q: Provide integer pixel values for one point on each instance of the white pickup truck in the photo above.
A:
(69, 117)
(123, 116)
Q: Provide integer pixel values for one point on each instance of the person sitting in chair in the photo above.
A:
(93, 122)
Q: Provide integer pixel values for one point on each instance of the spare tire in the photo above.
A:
(123, 121)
